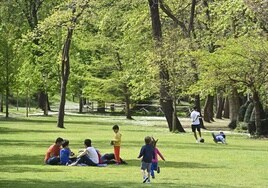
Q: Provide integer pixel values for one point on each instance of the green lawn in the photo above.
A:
(23, 143)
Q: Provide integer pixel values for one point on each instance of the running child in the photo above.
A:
(155, 166)
(147, 154)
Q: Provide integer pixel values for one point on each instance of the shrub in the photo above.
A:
(232, 125)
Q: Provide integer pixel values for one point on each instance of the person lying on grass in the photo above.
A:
(88, 156)
(53, 152)
(219, 138)
(108, 158)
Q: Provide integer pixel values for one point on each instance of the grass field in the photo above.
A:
(23, 143)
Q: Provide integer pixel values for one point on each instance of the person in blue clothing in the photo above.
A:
(219, 137)
(147, 154)
(65, 153)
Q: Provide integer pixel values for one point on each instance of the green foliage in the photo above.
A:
(239, 62)
(119, 38)
(112, 48)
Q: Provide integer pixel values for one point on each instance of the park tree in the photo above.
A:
(166, 100)
(77, 9)
(119, 69)
(28, 85)
(6, 58)
(33, 12)
(218, 21)
(10, 27)
(66, 16)
(188, 18)
(243, 63)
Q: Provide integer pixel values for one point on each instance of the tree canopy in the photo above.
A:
(111, 51)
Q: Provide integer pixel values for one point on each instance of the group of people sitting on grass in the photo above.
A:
(60, 154)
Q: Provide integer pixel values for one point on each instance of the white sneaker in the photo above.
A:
(145, 180)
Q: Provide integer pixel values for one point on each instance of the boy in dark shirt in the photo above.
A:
(147, 154)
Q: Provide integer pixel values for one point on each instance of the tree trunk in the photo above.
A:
(17, 101)
(208, 109)
(43, 102)
(27, 104)
(1, 103)
(7, 85)
(220, 103)
(197, 104)
(259, 114)
(174, 116)
(7, 100)
(128, 111)
(127, 102)
(81, 103)
(211, 108)
(101, 107)
(65, 72)
(226, 112)
(234, 105)
(126, 91)
(165, 100)
(65, 62)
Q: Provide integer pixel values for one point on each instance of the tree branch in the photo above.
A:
(191, 22)
(169, 13)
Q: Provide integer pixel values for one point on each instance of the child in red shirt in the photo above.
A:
(155, 166)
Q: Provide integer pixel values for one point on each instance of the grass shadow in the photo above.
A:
(6, 130)
(30, 183)
(175, 164)
(23, 159)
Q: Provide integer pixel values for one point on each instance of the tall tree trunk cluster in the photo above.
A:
(166, 100)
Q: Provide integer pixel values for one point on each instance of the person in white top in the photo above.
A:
(88, 156)
(195, 116)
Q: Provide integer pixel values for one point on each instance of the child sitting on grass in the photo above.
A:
(65, 153)
(88, 156)
(53, 152)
